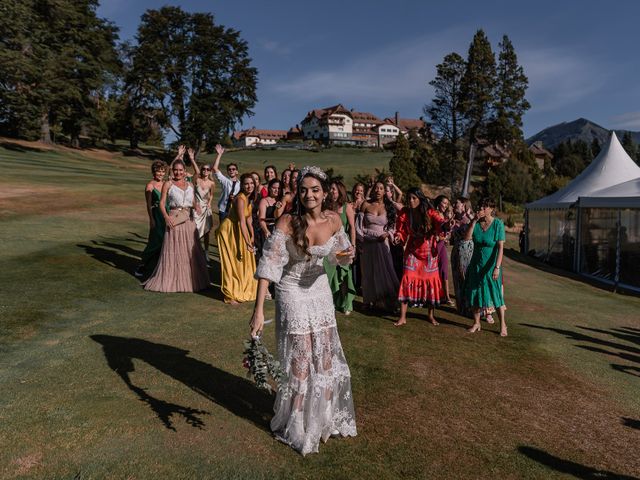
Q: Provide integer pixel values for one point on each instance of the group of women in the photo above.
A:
(301, 239)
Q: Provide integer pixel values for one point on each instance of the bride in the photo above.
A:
(315, 400)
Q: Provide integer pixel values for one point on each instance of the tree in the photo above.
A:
(478, 93)
(510, 102)
(402, 166)
(57, 58)
(595, 147)
(629, 145)
(445, 111)
(197, 73)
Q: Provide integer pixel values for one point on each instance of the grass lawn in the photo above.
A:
(100, 379)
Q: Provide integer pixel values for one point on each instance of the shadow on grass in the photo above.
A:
(115, 255)
(16, 147)
(631, 423)
(229, 391)
(571, 468)
(625, 352)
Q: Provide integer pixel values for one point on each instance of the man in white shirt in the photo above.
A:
(230, 185)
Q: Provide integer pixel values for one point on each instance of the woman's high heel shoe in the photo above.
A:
(474, 329)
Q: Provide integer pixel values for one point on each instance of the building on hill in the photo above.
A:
(254, 137)
(295, 133)
(490, 155)
(540, 153)
(331, 125)
(338, 126)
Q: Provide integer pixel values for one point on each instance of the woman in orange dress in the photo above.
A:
(415, 230)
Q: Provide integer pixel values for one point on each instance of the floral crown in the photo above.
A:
(315, 171)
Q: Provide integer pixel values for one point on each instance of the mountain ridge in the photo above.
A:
(579, 129)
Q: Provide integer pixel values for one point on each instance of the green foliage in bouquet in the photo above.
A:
(261, 364)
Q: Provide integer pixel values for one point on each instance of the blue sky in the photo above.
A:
(581, 57)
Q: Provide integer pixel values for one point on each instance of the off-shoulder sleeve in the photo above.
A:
(341, 243)
(274, 257)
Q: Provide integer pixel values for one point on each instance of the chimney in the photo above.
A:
(397, 119)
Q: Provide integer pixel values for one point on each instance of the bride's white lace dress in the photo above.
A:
(315, 400)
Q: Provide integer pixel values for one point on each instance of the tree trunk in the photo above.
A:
(75, 141)
(467, 174)
(133, 141)
(45, 128)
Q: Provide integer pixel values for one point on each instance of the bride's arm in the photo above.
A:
(257, 319)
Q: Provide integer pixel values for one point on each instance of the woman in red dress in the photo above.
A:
(416, 230)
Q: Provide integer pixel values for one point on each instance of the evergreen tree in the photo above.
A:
(402, 166)
(510, 102)
(478, 94)
(629, 145)
(57, 58)
(595, 148)
(445, 113)
(197, 73)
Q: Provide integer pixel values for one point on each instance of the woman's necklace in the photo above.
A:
(486, 224)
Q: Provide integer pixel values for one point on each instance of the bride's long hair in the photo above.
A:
(299, 223)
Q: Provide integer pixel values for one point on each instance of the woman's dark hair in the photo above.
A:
(439, 200)
(342, 196)
(158, 165)
(487, 202)
(280, 191)
(425, 225)
(272, 167)
(389, 207)
(299, 223)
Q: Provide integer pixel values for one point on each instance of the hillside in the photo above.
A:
(580, 129)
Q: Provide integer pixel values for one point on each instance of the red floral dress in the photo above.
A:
(420, 283)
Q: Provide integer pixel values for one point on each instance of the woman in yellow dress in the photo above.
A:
(236, 247)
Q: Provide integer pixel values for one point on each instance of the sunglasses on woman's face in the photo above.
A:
(206, 169)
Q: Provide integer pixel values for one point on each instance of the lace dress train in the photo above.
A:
(315, 400)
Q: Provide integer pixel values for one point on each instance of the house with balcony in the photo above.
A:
(331, 125)
(254, 137)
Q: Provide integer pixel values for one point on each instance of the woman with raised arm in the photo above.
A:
(415, 230)
(204, 190)
(375, 229)
(152, 194)
(483, 282)
(341, 277)
(236, 247)
(315, 402)
(182, 265)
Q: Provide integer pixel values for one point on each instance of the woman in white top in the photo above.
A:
(182, 266)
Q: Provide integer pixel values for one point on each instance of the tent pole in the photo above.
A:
(618, 242)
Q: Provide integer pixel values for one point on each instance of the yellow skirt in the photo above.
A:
(237, 263)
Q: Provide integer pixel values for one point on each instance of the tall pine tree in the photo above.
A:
(445, 112)
(510, 101)
(477, 87)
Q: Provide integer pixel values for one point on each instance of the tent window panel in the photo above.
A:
(599, 242)
(538, 232)
(630, 247)
(563, 238)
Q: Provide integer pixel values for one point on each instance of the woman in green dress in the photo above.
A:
(151, 253)
(483, 282)
(341, 277)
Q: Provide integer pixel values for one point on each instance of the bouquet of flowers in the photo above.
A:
(261, 365)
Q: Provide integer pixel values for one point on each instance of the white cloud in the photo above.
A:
(392, 73)
(629, 120)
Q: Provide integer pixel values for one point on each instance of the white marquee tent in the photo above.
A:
(553, 223)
